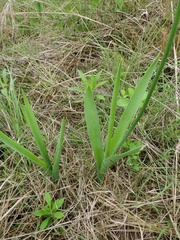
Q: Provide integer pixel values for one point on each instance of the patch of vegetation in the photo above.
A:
(43, 45)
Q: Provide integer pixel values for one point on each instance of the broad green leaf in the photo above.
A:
(48, 199)
(131, 92)
(122, 102)
(21, 150)
(46, 223)
(57, 156)
(93, 127)
(58, 215)
(31, 121)
(57, 204)
(39, 213)
(131, 108)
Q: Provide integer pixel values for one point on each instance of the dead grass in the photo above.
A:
(129, 205)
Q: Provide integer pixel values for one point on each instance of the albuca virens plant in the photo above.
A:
(107, 155)
(51, 168)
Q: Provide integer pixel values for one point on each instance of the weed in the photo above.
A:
(50, 212)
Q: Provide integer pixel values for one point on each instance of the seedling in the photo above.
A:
(50, 212)
(127, 95)
(132, 160)
(93, 83)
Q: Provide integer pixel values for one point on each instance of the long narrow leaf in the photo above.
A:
(113, 109)
(32, 123)
(108, 162)
(20, 149)
(57, 156)
(93, 127)
(131, 108)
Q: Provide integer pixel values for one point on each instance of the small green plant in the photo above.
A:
(93, 82)
(127, 95)
(115, 138)
(50, 212)
(132, 160)
(51, 168)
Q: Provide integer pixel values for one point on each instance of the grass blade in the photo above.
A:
(113, 110)
(21, 150)
(131, 108)
(93, 127)
(32, 123)
(57, 156)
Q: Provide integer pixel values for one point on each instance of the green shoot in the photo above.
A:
(50, 212)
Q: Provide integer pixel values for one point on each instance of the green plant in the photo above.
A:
(115, 139)
(10, 100)
(127, 95)
(132, 160)
(50, 212)
(51, 169)
(93, 82)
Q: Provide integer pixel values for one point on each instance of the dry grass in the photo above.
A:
(44, 61)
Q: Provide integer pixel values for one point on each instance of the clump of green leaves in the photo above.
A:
(51, 168)
(93, 82)
(50, 212)
(107, 155)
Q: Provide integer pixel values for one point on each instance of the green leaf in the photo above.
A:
(4, 92)
(39, 213)
(31, 121)
(46, 223)
(122, 102)
(93, 127)
(113, 110)
(131, 92)
(46, 209)
(20, 149)
(57, 156)
(58, 215)
(131, 109)
(48, 199)
(4, 76)
(100, 84)
(57, 204)
(100, 97)
(109, 161)
(85, 82)
(78, 89)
